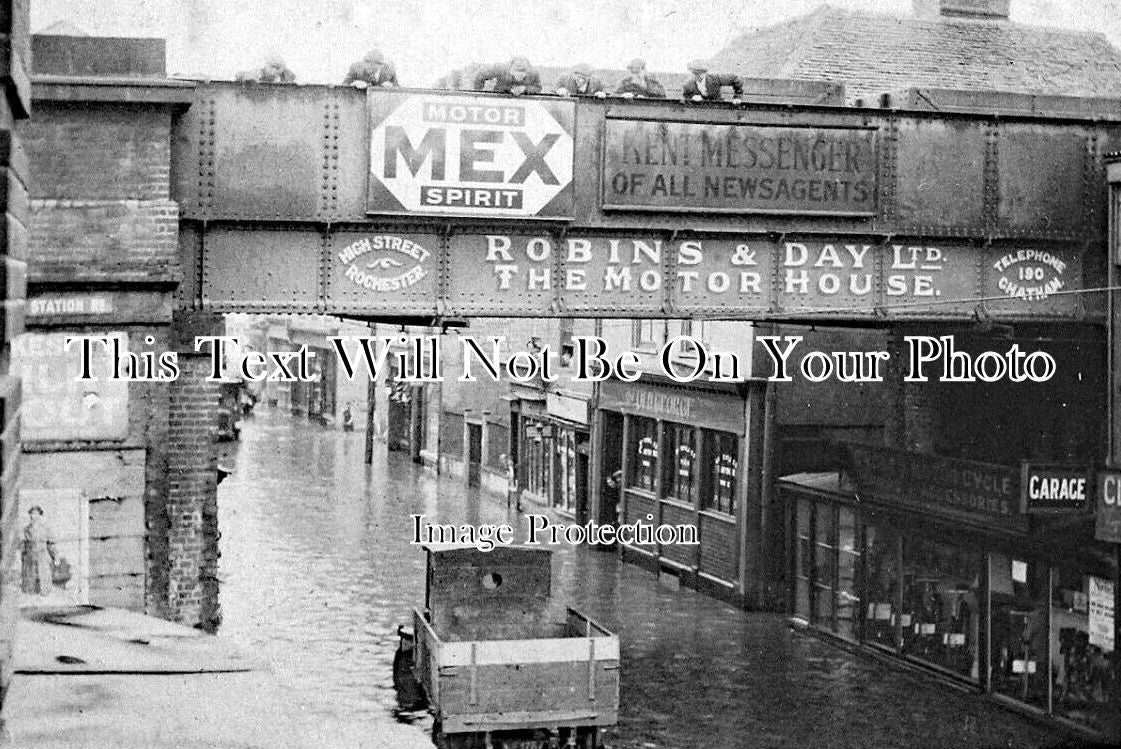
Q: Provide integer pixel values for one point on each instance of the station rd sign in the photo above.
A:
(473, 156)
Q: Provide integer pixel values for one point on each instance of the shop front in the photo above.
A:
(552, 452)
(316, 399)
(939, 562)
(676, 455)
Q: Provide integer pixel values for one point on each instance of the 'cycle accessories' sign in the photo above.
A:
(470, 156)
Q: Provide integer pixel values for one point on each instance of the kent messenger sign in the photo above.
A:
(450, 155)
(723, 168)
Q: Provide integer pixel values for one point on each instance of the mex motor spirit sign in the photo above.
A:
(470, 156)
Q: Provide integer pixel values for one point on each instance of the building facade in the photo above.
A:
(102, 218)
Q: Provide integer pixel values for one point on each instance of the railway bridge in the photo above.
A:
(429, 206)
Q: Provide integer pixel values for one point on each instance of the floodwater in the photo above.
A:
(317, 572)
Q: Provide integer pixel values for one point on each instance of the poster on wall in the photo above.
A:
(59, 406)
(1101, 614)
(54, 547)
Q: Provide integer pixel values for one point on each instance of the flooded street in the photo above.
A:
(317, 573)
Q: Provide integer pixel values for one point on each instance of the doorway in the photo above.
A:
(609, 491)
(474, 453)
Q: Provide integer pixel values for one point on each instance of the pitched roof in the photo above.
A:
(875, 53)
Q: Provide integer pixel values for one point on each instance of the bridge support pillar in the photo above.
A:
(184, 537)
(912, 418)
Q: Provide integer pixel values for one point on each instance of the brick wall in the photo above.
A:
(15, 102)
(123, 480)
(100, 194)
(192, 504)
(102, 220)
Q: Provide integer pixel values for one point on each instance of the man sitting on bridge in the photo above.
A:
(581, 82)
(273, 71)
(516, 78)
(705, 86)
(640, 83)
(372, 70)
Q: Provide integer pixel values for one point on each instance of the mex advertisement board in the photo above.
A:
(474, 156)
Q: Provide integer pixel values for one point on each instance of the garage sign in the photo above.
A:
(1052, 487)
(444, 154)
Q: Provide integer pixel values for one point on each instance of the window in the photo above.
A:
(565, 498)
(881, 611)
(1019, 628)
(721, 456)
(1083, 661)
(825, 565)
(681, 466)
(942, 604)
(694, 328)
(647, 334)
(848, 601)
(535, 464)
(643, 453)
(803, 565)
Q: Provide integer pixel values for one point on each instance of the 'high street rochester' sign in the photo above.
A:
(682, 166)
(471, 156)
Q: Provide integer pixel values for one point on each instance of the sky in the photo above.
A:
(427, 38)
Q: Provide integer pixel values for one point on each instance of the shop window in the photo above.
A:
(847, 599)
(681, 462)
(825, 571)
(718, 488)
(803, 564)
(498, 440)
(1083, 656)
(882, 609)
(565, 498)
(1019, 593)
(647, 334)
(536, 467)
(643, 458)
(825, 566)
(941, 606)
(451, 434)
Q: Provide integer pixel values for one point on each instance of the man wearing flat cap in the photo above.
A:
(273, 71)
(705, 86)
(516, 78)
(639, 83)
(372, 70)
(581, 82)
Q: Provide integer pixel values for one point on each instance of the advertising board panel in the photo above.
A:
(738, 168)
(452, 155)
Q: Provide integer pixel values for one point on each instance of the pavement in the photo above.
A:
(92, 678)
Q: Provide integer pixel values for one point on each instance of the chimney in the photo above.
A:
(978, 10)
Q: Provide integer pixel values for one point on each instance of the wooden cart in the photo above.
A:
(497, 672)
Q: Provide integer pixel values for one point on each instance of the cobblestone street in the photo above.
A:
(315, 551)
